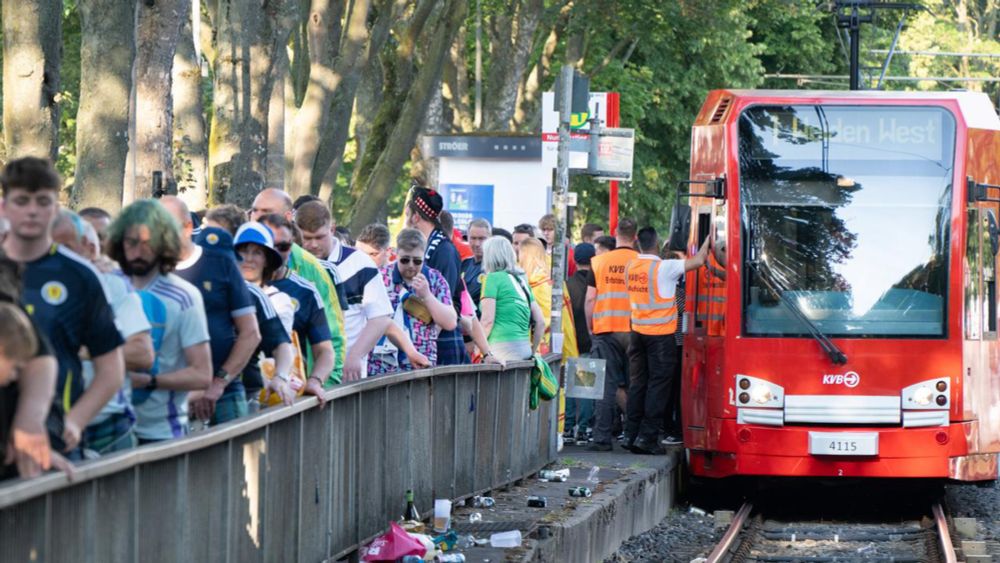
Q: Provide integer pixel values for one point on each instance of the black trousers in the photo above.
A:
(652, 371)
(611, 347)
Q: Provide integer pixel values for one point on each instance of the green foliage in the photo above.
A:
(684, 49)
(663, 57)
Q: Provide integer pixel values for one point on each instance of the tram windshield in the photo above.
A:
(847, 209)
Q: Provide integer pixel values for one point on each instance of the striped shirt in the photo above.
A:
(176, 312)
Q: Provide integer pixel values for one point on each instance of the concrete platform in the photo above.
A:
(634, 494)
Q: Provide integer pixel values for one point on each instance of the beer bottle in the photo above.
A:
(411, 511)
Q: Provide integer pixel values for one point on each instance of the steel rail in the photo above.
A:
(731, 534)
(944, 536)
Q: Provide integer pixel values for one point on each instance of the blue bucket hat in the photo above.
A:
(259, 234)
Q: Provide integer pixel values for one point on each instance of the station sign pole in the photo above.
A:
(560, 201)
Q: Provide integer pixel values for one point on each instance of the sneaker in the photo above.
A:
(628, 443)
(643, 447)
(671, 440)
(600, 447)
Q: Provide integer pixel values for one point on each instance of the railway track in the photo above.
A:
(763, 535)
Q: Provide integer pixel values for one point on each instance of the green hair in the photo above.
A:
(164, 232)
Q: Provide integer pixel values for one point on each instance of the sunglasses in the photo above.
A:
(282, 246)
(405, 260)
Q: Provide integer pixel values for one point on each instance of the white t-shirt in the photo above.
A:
(283, 306)
(363, 289)
(130, 320)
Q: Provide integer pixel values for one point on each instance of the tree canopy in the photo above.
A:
(330, 97)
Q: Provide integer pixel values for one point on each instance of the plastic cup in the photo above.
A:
(442, 515)
(506, 539)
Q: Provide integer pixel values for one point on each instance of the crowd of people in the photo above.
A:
(122, 330)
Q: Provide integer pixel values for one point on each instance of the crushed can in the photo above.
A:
(537, 502)
(483, 502)
(580, 492)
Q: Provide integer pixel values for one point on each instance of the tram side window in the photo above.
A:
(701, 295)
(988, 249)
(972, 275)
(980, 275)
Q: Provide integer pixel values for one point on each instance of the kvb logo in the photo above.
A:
(850, 379)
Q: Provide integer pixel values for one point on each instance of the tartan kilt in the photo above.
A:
(451, 349)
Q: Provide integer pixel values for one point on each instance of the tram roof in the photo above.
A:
(976, 107)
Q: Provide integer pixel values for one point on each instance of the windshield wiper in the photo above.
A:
(764, 271)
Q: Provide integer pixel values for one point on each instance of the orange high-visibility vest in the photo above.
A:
(716, 300)
(701, 298)
(651, 314)
(611, 311)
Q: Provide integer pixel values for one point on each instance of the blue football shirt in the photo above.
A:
(65, 298)
(225, 295)
(310, 319)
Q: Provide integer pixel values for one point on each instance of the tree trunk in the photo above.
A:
(247, 37)
(330, 66)
(190, 140)
(276, 124)
(455, 76)
(231, 78)
(331, 151)
(528, 99)
(107, 52)
(272, 26)
(32, 42)
(156, 43)
(434, 124)
(371, 92)
(383, 174)
(512, 39)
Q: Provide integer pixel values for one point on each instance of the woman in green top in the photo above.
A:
(507, 306)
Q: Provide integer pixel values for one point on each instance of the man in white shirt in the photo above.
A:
(368, 311)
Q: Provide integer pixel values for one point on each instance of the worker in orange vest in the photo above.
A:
(716, 267)
(652, 352)
(609, 319)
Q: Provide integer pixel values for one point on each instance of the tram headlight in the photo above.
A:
(761, 394)
(757, 392)
(923, 396)
(930, 394)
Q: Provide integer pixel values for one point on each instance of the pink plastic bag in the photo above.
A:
(392, 545)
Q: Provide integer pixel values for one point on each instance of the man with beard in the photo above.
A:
(146, 241)
(64, 296)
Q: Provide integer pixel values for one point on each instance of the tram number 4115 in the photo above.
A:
(843, 446)
(843, 443)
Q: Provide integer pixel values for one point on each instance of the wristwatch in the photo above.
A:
(151, 386)
(221, 374)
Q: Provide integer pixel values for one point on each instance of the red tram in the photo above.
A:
(847, 326)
